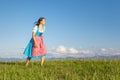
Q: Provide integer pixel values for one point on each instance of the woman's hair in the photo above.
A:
(39, 20)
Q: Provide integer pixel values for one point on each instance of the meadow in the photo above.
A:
(66, 69)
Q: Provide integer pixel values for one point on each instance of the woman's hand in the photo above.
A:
(36, 45)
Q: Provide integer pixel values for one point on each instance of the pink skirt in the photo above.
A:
(41, 49)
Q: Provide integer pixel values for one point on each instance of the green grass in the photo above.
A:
(71, 69)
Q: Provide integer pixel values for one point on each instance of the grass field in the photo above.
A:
(67, 69)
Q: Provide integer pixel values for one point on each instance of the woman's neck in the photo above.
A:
(40, 25)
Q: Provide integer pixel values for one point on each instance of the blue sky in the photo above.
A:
(74, 24)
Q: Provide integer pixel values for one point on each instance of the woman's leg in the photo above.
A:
(28, 60)
(42, 60)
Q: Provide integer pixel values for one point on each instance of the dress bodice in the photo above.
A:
(38, 33)
(36, 30)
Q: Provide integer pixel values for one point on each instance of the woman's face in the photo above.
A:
(43, 22)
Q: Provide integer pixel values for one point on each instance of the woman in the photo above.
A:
(36, 47)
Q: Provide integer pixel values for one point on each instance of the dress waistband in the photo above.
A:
(39, 36)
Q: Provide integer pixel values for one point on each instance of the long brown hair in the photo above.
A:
(39, 20)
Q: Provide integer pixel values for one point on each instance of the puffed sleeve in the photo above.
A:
(34, 29)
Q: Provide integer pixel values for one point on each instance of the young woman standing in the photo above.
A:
(36, 47)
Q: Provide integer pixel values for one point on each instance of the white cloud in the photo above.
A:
(72, 50)
(110, 51)
(61, 49)
(85, 51)
(80, 51)
(103, 49)
(64, 50)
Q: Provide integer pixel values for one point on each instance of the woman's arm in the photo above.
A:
(33, 36)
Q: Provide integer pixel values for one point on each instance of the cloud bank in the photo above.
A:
(63, 52)
(79, 52)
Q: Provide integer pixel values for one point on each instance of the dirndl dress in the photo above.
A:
(36, 52)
